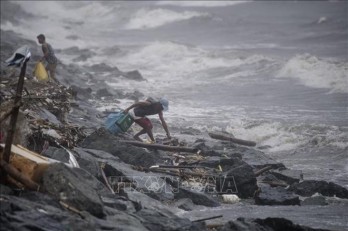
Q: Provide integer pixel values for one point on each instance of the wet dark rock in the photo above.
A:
(255, 158)
(57, 154)
(117, 202)
(142, 200)
(309, 187)
(125, 222)
(103, 140)
(197, 197)
(89, 163)
(185, 204)
(75, 187)
(275, 196)
(19, 214)
(39, 197)
(5, 190)
(268, 224)
(289, 176)
(155, 221)
(315, 200)
(153, 184)
(239, 180)
(134, 75)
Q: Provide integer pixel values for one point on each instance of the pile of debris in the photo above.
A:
(43, 113)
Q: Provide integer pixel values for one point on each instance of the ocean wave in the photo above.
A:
(152, 18)
(288, 137)
(317, 73)
(200, 3)
(78, 12)
(180, 59)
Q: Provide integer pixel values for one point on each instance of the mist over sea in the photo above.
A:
(267, 71)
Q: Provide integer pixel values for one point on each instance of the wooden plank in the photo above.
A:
(29, 163)
(162, 147)
(18, 176)
(222, 136)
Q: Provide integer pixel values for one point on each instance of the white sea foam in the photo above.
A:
(175, 60)
(317, 73)
(151, 18)
(78, 12)
(281, 137)
(200, 3)
(59, 20)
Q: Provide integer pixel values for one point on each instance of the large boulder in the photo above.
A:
(309, 187)
(103, 140)
(155, 221)
(287, 175)
(197, 197)
(134, 75)
(75, 187)
(253, 157)
(315, 200)
(239, 180)
(57, 154)
(153, 184)
(39, 213)
(275, 196)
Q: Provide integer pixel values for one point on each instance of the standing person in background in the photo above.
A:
(49, 56)
(145, 108)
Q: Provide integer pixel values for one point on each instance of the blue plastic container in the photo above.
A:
(118, 122)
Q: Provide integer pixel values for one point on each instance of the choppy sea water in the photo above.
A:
(272, 72)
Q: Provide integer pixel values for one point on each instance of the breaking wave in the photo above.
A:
(152, 18)
(280, 137)
(317, 73)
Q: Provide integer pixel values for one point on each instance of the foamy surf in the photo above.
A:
(317, 73)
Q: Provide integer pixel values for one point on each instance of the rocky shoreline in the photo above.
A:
(119, 186)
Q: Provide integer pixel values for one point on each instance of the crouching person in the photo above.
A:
(138, 111)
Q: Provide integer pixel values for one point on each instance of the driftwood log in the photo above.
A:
(162, 147)
(208, 218)
(262, 170)
(222, 136)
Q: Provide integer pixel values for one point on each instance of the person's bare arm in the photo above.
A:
(140, 103)
(164, 124)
